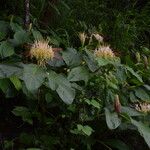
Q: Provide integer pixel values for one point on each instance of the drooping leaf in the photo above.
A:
(33, 76)
(143, 130)
(6, 49)
(134, 73)
(78, 74)
(112, 119)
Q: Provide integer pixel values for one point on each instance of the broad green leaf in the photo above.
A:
(130, 111)
(37, 35)
(6, 49)
(121, 74)
(143, 130)
(103, 62)
(8, 70)
(71, 57)
(112, 119)
(141, 94)
(16, 82)
(52, 82)
(91, 61)
(15, 27)
(132, 96)
(134, 73)
(33, 76)
(21, 37)
(117, 144)
(62, 86)
(66, 93)
(23, 112)
(79, 74)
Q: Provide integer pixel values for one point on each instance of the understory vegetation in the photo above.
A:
(76, 76)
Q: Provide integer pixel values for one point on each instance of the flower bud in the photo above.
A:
(117, 104)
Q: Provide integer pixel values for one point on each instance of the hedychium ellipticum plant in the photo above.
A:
(42, 52)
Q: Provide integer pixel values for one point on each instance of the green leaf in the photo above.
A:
(33, 76)
(48, 97)
(134, 73)
(24, 113)
(143, 130)
(37, 35)
(66, 93)
(112, 119)
(4, 26)
(71, 57)
(79, 74)
(52, 83)
(130, 111)
(87, 130)
(2, 35)
(6, 49)
(103, 62)
(140, 93)
(15, 27)
(8, 70)
(21, 37)
(95, 104)
(62, 86)
(4, 85)
(117, 144)
(90, 60)
(16, 82)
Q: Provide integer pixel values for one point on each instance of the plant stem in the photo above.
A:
(27, 13)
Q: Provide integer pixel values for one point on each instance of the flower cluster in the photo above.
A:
(104, 52)
(42, 52)
(143, 107)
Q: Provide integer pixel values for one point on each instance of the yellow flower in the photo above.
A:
(104, 52)
(42, 52)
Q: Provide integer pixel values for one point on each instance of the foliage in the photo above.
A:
(77, 100)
